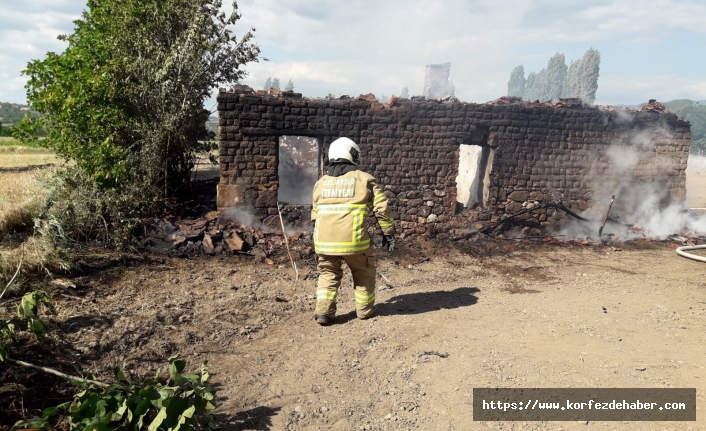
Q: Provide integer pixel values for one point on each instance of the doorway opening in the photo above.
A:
(298, 169)
(473, 180)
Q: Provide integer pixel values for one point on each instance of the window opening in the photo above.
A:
(298, 169)
(473, 180)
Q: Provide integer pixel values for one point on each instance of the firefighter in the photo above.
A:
(342, 199)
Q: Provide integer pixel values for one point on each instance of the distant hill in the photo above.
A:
(679, 104)
(695, 113)
(12, 113)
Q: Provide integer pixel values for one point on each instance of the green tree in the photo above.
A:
(541, 85)
(275, 83)
(28, 130)
(268, 83)
(290, 86)
(556, 75)
(531, 87)
(572, 82)
(124, 101)
(580, 79)
(404, 93)
(516, 85)
(588, 77)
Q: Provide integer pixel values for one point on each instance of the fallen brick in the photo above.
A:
(207, 242)
(235, 243)
(216, 234)
(193, 235)
(198, 224)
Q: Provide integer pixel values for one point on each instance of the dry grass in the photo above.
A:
(20, 189)
(40, 257)
(21, 196)
(21, 192)
(8, 140)
(17, 157)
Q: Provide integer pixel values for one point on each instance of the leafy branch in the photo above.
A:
(179, 403)
(28, 317)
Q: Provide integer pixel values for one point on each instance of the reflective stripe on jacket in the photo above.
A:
(339, 208)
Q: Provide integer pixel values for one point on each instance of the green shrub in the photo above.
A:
(76, 208)
(27, 317)
(180, 403)
(124, 104)
(125, 100)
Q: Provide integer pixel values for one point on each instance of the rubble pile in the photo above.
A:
(573, 102)
(213, 236)
(654, 106)
(506, 100)
(686, 237)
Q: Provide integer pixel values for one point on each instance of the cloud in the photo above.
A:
(362, 46)
(634, 89)
(28, 31)
(383, 46)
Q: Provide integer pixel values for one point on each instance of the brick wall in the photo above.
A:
(575, 155)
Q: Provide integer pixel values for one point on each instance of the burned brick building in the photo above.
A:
(446, 165)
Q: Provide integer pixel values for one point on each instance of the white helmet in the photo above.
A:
(344, 148)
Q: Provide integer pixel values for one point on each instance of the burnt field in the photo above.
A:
(498, 313)
(451, 316)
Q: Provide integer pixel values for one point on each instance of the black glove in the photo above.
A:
(389, 242)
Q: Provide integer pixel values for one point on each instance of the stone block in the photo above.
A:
(519, 196)
(266, 199)
(229, 195)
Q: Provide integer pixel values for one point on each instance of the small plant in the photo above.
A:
(28, 317)
(75, 209)
(180, 403)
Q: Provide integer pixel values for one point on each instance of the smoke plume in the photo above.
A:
(630, 169)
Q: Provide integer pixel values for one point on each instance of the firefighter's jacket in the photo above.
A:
(339, 209)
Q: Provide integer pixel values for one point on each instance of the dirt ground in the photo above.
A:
(508, 314)
(504, 313)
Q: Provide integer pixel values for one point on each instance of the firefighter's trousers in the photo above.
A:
(362, 267)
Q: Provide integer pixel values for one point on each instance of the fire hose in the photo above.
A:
(682, 251)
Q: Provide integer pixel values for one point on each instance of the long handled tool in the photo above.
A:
(286, 241)
(607, 214)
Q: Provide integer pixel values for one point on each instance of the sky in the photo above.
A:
(656, 50)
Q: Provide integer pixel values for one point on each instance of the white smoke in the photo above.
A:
(624, 158)
(641, 198)
(241, 216)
